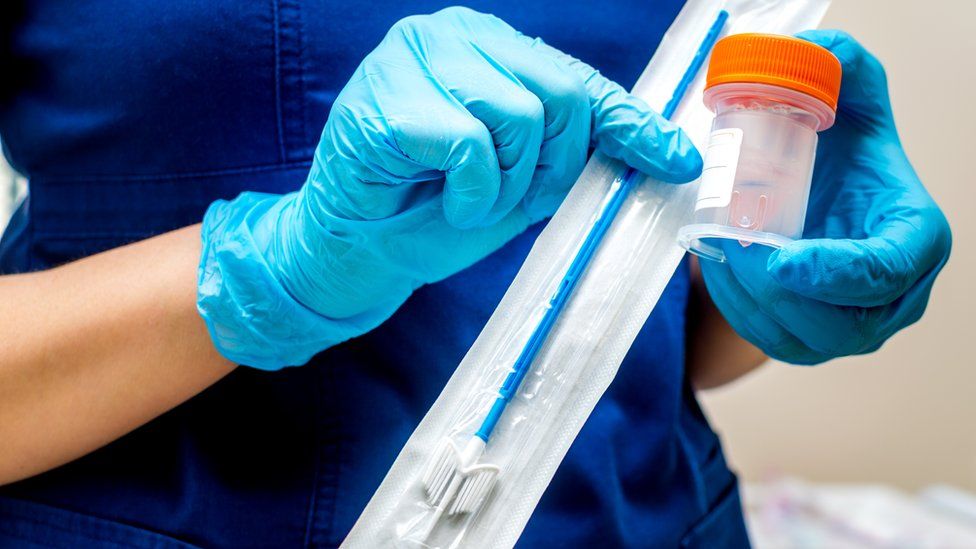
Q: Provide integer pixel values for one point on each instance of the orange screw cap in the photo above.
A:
(777, 60)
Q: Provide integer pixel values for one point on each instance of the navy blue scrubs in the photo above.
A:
(129, 117)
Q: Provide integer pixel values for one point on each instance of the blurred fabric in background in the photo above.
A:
(789, 512)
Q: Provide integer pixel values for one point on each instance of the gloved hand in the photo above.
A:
(873, 244)
(454, 135)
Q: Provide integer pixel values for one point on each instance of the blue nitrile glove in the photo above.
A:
(873, 245)
(451, 138)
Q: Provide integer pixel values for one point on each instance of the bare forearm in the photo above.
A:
(716, 354)
(91, 350)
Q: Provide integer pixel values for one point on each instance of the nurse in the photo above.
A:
(188, 213)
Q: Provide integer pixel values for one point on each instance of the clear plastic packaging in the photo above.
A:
(451, 488)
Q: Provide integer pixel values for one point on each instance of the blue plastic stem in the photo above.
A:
(586, 252)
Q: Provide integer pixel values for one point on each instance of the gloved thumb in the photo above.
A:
(626, 128)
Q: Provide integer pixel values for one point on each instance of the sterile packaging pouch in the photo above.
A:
(455, 485)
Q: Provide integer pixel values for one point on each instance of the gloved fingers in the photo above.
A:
(514, 116)
(472, 179)
(566, 111)
(903, 245)
(864, 85)
(358, 175)
(748, 320)
(825, 328)
(430, 128)
(906, 310)
(626, 128)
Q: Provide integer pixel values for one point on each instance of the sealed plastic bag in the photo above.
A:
(476, 466)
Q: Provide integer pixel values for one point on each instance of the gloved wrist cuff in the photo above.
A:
(252, 319)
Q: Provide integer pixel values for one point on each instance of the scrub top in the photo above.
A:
(129, 117)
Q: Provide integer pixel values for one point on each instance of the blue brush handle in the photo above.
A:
(575, 272)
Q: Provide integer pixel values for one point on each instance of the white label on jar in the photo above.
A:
(718, 175)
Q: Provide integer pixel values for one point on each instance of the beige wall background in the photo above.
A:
(905, 415)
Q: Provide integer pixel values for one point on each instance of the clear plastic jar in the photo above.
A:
(758, 164)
